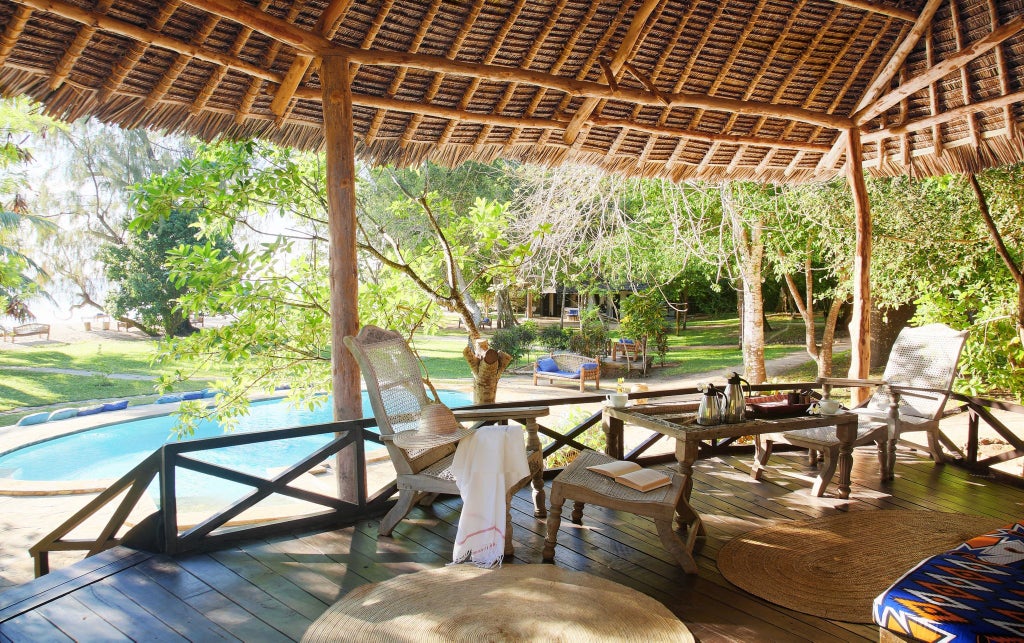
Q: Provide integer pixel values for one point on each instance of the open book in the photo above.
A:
(632, 475)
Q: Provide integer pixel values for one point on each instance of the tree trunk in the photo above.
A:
(1004, 253)
(487, 366)
(750, 254)
(503, 303)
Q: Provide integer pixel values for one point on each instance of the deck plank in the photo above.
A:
(79, 621)
(272, 589)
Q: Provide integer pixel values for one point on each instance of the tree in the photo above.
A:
(138, 270)
(21, 278)
(744, 207)
(86, 192)
(422, 237)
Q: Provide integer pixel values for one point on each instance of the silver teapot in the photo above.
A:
(709, 413)
(735, 407)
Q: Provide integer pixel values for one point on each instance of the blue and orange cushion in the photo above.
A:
(972, 593)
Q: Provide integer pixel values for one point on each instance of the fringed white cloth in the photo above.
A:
(486, 464)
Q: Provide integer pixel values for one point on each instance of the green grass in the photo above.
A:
(135, 357)
(706, 345)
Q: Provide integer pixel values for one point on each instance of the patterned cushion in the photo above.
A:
(964, 594)
(1001, 547)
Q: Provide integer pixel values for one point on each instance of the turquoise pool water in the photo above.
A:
(111, 451)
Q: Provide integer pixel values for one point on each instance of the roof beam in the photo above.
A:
(940, 70)
(953, 114)
(892, 67)
(12, 32)
(307, 41)
(885, 10)
(256, 20)
(140, 34)
(624, 53)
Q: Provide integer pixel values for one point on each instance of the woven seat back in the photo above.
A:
(394, 383)
(922, 357)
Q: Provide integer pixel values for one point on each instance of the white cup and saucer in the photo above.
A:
(617, 400)
(825, 406)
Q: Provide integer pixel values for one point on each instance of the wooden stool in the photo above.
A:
(577, 483)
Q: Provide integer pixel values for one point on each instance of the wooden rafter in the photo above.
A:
(435, 83)
(591, 60)
(828, 161)
(135, 52)
(180, 62)
(623, 54)
(13, 31)
(78, 45)
(947, 66)
(492, 52)
(1004, 72)
(396, 82)
(874, 7)
(895, 62)
(965, 77)
(933, 96)
(943, 117)
(567, 49)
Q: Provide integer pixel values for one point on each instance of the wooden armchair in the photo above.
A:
(397, 394)
(910, 397)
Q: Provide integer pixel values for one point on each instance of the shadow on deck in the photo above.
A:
(273, 589)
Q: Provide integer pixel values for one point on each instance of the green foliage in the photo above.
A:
(592, 338)
(516, 340)
(593, 438)
(993, 359)
(554, 338)
(143, 287)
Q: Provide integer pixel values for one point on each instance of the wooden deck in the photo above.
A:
(271, 590)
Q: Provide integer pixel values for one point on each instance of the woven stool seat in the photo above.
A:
(582, 486)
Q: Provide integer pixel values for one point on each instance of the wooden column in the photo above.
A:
(341, 206)
(860, 324)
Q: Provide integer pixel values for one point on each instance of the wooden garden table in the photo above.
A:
(679, 421)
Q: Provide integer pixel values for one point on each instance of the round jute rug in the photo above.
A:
(834, 567)
(511, 603)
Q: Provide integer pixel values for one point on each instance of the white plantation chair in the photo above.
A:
(910, 397)
(397, 394)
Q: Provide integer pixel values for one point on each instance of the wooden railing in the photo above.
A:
(160, 531)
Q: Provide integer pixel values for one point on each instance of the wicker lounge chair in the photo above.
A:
(568, 366)
(395, 387)
(910, 397)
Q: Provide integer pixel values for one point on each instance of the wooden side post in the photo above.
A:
(860, 324)
(341, 204)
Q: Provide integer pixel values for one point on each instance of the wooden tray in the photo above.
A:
(776, 408)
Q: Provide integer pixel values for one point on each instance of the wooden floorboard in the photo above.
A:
(273, 589)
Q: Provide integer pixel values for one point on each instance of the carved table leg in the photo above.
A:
(554, 520)
(846, 432)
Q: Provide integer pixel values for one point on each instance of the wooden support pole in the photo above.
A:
(860, 324)
(341, 204)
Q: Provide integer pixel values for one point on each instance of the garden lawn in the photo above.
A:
(28, 389)
(134, 357)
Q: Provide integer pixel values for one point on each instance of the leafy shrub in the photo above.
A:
(592, 338)
(992, 361)
(643, 317)
(516, 340)
(554, 338)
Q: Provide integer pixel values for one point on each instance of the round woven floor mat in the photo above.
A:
(511, 603)
(834, 567)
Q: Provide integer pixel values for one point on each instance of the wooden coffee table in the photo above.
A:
(679, 421)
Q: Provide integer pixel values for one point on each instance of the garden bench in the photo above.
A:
(568, 366)
(27, 330)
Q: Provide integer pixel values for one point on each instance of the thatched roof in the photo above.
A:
(712, 89)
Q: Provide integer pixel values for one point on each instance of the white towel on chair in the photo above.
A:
(486, 464)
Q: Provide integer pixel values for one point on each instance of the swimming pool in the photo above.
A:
(111, 451)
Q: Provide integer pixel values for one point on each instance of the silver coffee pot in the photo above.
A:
(709, 413)
(735, 406)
